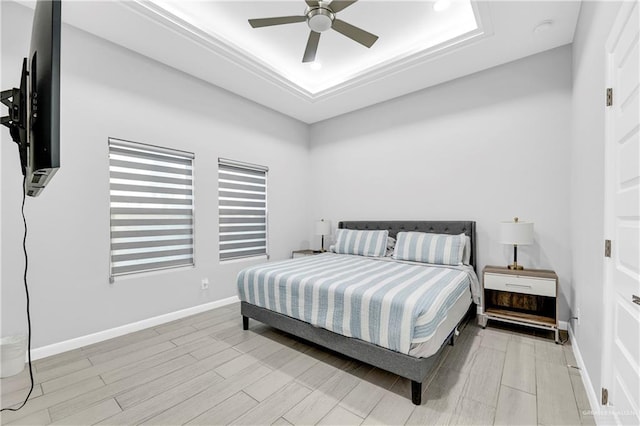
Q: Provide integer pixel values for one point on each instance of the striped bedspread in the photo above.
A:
(389, 303)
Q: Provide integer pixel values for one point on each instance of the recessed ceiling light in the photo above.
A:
(315, 65)
(543, 26)
(441, 5)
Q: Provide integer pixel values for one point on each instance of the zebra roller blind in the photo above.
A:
(151, 192)
(242, 201)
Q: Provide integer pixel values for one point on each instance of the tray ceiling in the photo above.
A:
(418, 46)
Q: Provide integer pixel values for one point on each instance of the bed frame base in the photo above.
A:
(414, 369)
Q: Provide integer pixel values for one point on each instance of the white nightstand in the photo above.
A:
(526, 297)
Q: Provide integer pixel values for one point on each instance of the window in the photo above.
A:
(151, 193)
(242, 201)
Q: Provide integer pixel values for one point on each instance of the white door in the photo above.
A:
(621, 351)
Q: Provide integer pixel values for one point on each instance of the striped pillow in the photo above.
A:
(439, 249)
(363, 243)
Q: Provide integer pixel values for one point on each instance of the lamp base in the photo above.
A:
(515, 267)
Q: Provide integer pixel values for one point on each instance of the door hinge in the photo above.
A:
(609, 96)
(607, 248)
(605, 396)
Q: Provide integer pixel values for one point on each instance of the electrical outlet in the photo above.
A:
(578, 315)
(204, 285)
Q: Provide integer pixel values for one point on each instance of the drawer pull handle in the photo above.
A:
(518, 285)
(635, 299)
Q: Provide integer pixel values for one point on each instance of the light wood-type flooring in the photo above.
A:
(205, 370)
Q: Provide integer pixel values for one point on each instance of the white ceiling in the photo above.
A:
(418, 47)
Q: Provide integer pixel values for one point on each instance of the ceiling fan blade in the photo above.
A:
(354, 33)
(267, 22)
(312, 47)
(312, 3)
(338, 5)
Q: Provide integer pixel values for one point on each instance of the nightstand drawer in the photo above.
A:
(520, 284)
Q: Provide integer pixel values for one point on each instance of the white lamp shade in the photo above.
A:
(519, 233)
(323, 227)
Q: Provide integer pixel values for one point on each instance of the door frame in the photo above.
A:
(610, 171)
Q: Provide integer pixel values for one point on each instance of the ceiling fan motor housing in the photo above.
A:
(320, 19)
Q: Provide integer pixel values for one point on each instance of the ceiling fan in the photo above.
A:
(320, 16)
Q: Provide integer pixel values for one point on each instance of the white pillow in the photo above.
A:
(439, 249)
(363, 243)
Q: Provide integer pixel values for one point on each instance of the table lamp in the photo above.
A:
(323, 228)
(516, 233)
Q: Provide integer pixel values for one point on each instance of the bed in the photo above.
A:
(396, 315)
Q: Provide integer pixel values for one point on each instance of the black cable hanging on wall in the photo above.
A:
(26, 289)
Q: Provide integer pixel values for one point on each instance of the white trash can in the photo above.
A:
(13, 350)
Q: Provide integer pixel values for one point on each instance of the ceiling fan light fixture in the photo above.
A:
(320, 19)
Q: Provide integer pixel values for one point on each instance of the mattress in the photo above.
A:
(397, 305)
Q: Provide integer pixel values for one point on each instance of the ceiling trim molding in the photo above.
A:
(225, 48)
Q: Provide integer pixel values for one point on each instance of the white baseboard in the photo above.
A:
(67, 345)
(599, 413)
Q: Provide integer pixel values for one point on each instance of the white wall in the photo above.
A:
(108, 91)
(587, 181)
(486, 147)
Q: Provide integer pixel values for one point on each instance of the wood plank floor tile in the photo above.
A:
(278, 378)
(101, 357)
(281, 422)
(227, 411)
(556, 402)
(107, 366)
(50, 399)
(118, 342)
(495, 339)
(207, 348)
(165, 383)
(151, 375)
(322, 400)
(61, 370)
(53, 361)
(363, 398)
(485, 376)
(163, 401)
(392, 409)
(215, 320)
(520, 367)
(515, 407)
(549, 351)
(272, 408)
(582, 400)
(469, 412)
(92, 414)
(39, 418)
(341, 416)
(209, 398)
(146, 359)
(17, 397)
(167, 374)
(315, 376)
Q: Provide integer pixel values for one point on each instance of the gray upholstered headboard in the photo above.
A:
(467, 227)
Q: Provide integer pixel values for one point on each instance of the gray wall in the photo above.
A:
(109, 91)
(486, 147)
(587, 181)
